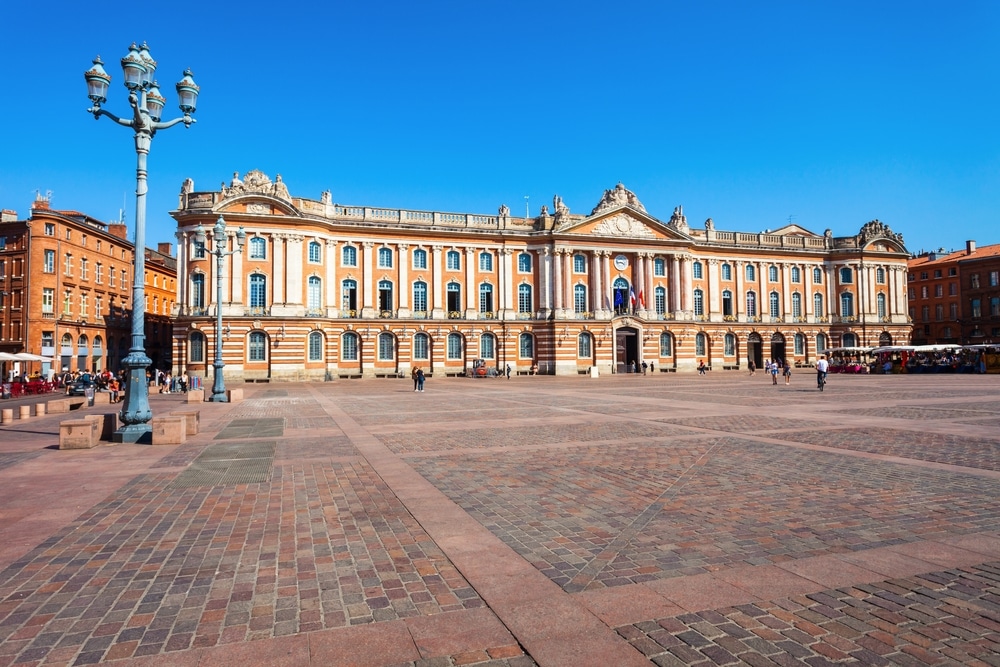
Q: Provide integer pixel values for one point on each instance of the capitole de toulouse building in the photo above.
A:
(324, 291)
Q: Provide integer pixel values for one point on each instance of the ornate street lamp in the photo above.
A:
(147, 104)
(219, 243)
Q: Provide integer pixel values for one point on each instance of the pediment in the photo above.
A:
(624, 222)
(793, 230)
(256, 204)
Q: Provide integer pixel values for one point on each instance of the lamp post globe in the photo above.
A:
(147, 103)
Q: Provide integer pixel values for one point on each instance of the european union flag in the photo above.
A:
(618, 298)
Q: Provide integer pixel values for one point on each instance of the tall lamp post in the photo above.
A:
(219, 243)
(147, 104)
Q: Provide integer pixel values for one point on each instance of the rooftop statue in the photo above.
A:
(616, 197)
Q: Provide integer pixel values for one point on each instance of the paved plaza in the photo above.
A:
(626, 520)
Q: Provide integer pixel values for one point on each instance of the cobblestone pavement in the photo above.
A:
(628, 520)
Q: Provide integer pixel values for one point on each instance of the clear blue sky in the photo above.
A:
(833, 113)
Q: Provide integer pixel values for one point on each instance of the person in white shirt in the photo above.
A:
(822, 366)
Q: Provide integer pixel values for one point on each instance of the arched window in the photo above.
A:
(730, 345)
(454, 295)
(820, 343)
(579, 298)
(526, 346)
(580, 263)
(486, 298)
(349, 346)
(315, 346)
(487, 346)
(198, 290)
(880, 301)
(258, 346)
(584, 346)
(817, 305)
(349, 256)
(800, 344)
(196, 347)
(386, 346)
(751, 304)
(666, 344)
(524, 263)
(880, 275)
(454, 346)
(485, 261)
(850, 340)
(727, 303)
(660, 300)
(420, 258)
(796, 305)
(420, 297)
(385, 258)
(700, 345)
(315, 253)
(699, 303)
(818, 276)
(796, 274)
(846, 275)
(774, 304)
(421, 347)
(385, 301)
(349, 295)
(524, 300)
(453, 260)
(258, 247)
(847, 305)
(258, 290)
(772, 274)
(620, 292)
(751, 273)
(727, 272)
(314, 293)
(696, 270)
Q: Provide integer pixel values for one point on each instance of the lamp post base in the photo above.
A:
(134, 433)
(219, 398)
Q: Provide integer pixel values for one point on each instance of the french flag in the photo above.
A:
(631, 296)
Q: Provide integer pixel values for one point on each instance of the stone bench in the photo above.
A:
(170, 430)
(80, 433)
(195, 396)
(192, 419)
(235, 395)
(63, 405)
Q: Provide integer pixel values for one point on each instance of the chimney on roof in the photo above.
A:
(165, 249)
(970, 247)
(7, 215)
(118, 229)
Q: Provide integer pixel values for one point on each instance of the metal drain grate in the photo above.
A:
(227, 464)
(271, 427)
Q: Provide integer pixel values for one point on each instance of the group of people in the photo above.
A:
(172, 384)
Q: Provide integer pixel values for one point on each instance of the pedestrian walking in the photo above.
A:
(508, 371)
(751, 366)
(420, 379)
(774, 372)
(787, 372)
(413, 374)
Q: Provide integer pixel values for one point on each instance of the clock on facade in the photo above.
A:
(621, 262)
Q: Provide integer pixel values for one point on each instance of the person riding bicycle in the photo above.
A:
(822, 366)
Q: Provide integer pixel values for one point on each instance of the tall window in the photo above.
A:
(314, 293)
(420, 258)
(315, 253)
(49, 264)
(385, 301)
(880, 301)
(526, 346)
(524, 263)
(977, 309)
(660, 300)
(700, 345)
(199, 250)
(454, 295)
(197, 347)
(821, 344)
(727, 303)
(258, 247)
(258, 290)
(751, 273)
(751, 304)
(386, 346)
(818, 275)
(579, 298)
(580, 263)
(111, 276)
(420, 297)
(666, 344)
(83, 269)
(850, 340)
(315, 346)
(796, 274)
(659, 267)
(847, 305)
(846, 275)
(818, 304)
(584, 346)
(727, 272)
(880, 275)
(349, 256)
(48, 300)
(385, 258)
(485, 261)
(453, 260)
(421, 347)
(772, 274)
(68, 268)
(99, 273)
(774, 304)
(800, 344)
(349, 346)
(699, 303)
(198, 290)
(524, 302)
(349, 295)
(487, 346)
(258, 346)
(696, 269)
(454, 346)
(729, 345)
(796, 305)
(486, 298)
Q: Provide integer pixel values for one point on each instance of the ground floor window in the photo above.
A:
(666, 344)
(315, 346)
(421, 346)
(526, 346)
(386, 347)
(454, 346)
(583, 346)
(258, 346)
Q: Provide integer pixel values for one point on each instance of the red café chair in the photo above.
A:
(16, 389)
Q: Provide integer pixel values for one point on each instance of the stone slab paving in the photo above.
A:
(626, 520)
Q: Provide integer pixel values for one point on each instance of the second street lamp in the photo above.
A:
(147, 104)
(219, 242)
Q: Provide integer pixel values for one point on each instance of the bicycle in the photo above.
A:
(821, 380)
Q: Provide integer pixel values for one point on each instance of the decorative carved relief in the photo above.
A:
(256, 182)
(623, 225)
(616, 197)
(255, 207)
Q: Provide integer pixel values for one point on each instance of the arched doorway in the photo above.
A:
(884, 339)
(777, 347)
(755, 349)
(626, 349)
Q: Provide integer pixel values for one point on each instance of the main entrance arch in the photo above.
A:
(626, 349)
(777, 347)
(755, 350)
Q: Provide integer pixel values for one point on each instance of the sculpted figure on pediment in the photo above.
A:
(255, 182)
(623, 225)
(616, 197)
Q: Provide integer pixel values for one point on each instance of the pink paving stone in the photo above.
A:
(889, 563)
(457, 632)
(700, 592)
(623, 605)
(939, 553)
(376, 645)
(830, 571)
(985, 543)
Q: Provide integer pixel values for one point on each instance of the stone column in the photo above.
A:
(595, 284)
(740, 297)
(686, 289)
(545, 283)
(183, 276)
(294, 268)
(675, 287)
(471, 289)
(807, 297)
(236, 286)
(559, 305)
(330, 268)
(437, 283)
(607, 284)
(367, 285)
(403, 291)
(786, 292)
(278, 265)
(650, 286)
(832, 307)
(714, 291)
(507, 285)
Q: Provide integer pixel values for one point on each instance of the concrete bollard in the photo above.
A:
(25, 411)
(7, 416)
(39, 409)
